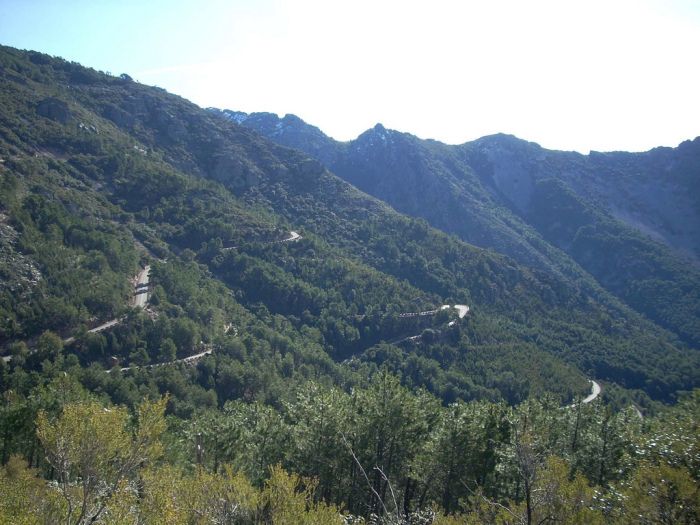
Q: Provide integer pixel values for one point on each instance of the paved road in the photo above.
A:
(139, 300)
(291, 237)
(141, 289)
(97, 329)
(188, 359)
(595, 391)
(104, 326)
(462, 310)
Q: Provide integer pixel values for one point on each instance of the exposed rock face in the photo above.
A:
(512, 166)
(54, 109)
(18, 273)
(654, 193)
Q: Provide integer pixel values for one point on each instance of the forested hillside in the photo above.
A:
(629, 221)
(285, 311)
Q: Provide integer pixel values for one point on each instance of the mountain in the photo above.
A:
(101, 175)
(628, 221)
(200, 324)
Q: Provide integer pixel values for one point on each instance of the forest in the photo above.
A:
(379, 453)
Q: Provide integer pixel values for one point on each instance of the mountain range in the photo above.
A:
(628, 221)
(570, 267)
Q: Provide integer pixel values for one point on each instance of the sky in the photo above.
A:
(572, 75)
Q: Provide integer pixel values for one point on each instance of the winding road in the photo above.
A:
(97, 329)
(291, 237)
(186, 360)
(462, 310)
(595, 392)
(141, 297)
(139, 300)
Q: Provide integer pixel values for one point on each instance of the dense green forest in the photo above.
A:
(284, 378)
(379, 453)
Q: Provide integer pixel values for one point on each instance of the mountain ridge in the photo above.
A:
(265, 123)
(483, 192)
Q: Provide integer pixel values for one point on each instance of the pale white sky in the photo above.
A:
(578, 75)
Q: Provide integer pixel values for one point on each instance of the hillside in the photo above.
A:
(100, 171)
(198, 325)
(629, 221)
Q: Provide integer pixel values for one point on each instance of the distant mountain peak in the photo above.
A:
(376, 134)
(367, 141)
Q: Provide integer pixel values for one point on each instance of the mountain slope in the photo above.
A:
(95, 166)
(630, 221)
